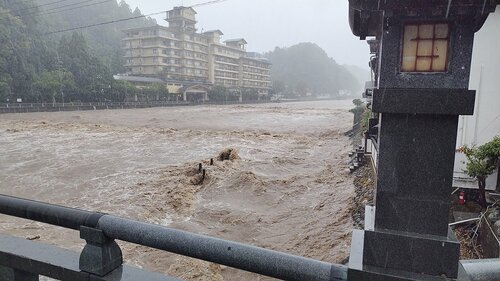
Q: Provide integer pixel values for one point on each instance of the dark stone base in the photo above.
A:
(403, 255)
(427, 254)
(360, 272)
(378, 274)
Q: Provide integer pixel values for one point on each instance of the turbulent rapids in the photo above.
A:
(278, 178)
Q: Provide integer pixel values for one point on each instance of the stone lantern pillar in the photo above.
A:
(423, 67)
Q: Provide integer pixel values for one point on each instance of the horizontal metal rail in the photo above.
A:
(241, 256)
(237, 255)
(48, 213)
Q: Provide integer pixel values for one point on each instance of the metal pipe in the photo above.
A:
(233, 254)
(463, 221)
(482, 270)
(47, 213)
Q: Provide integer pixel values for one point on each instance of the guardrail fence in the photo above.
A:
(101, 258)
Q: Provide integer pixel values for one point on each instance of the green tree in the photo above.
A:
(481, 162)
(104, 41)
(4, 87)
(361, 115)
(50, 86)
(155, 92)
(14, 54)
(122, 91)
(357, 102)
(92, 78)
(25, 51)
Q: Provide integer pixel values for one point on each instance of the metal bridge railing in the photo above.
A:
(101, 257)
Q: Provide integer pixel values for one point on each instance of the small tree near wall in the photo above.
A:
(482, 161)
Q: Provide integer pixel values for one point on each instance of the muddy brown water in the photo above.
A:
(288, 190)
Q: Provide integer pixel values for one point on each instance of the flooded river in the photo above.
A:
(287, 190)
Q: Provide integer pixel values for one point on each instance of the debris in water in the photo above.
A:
(33, 237)
(198, 179)
(228, 154)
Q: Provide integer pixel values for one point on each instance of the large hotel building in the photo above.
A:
(190, 62)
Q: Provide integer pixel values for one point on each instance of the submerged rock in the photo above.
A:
(228, 154)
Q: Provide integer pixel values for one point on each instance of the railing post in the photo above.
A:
(11, 274)
(101, 254)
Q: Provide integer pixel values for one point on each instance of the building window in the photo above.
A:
(425, 47)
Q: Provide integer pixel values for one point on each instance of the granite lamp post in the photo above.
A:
(423, 57)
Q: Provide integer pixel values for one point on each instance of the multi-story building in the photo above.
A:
(225, 60)
(255, 72)
(181, 56)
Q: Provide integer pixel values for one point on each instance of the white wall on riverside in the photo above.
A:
(485, 79)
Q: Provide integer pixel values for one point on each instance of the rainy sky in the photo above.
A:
(266, 24)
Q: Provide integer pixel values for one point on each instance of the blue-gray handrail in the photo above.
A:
(241, 256)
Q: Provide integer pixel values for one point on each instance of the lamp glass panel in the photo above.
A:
(426, 31)
(425, 47)
(409, 47)
(423, 64)
(440, 55)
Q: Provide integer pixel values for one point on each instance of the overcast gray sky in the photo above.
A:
(266, 24)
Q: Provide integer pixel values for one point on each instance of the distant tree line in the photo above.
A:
(306, 70)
